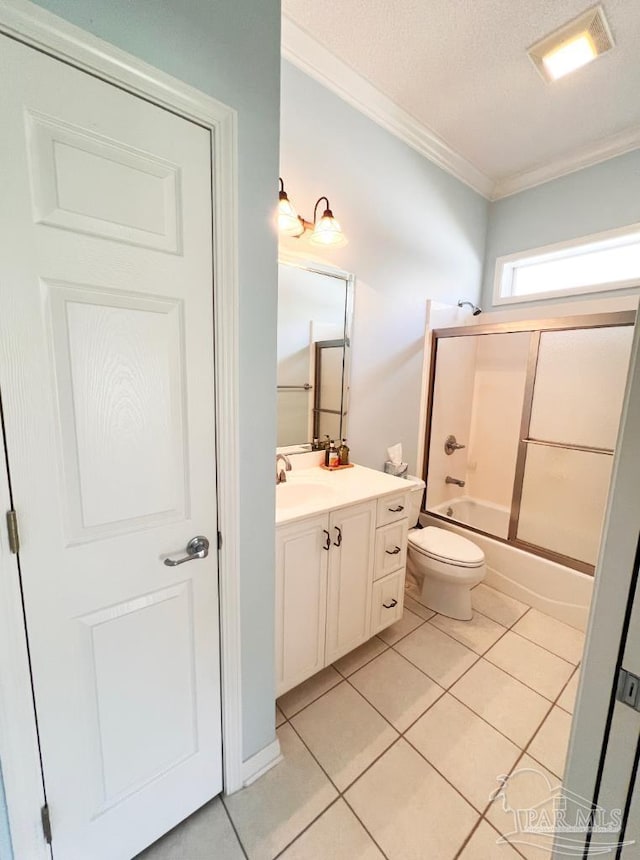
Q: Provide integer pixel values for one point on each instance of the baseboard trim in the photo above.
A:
(253, 768)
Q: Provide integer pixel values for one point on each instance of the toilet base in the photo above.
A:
(453, 600)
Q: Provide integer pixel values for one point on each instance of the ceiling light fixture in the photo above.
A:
(324, 231)
(573, 45)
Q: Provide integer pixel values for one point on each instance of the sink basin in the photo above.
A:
(291, 495)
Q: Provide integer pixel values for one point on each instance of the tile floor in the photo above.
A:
(395, 751)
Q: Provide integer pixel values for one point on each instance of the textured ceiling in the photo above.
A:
(460, 67)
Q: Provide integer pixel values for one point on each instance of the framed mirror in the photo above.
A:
(315, 316)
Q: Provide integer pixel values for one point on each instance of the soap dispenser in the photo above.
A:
(331, 457)
(343, 453)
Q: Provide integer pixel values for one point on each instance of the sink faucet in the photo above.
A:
(450, 480)
(280, 475)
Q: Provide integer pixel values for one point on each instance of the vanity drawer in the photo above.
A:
(391, 548)
(392, 508)
(388, 601)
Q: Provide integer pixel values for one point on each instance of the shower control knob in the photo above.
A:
(452, 445)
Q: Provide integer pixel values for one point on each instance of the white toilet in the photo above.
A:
(445, 565)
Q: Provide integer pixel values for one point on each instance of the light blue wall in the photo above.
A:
(231, 50)
(597, 198)
(6, 852)
(415, 233)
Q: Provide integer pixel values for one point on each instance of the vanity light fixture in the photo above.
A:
(289, 222)
(573, 45)
(325, 230)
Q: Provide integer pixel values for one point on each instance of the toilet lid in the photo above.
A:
(440, 543)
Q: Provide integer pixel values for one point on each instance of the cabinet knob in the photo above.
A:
(393, 551)
(339, 540)
(393, 603)
(327, 544)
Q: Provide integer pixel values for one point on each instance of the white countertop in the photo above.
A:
(335, 490)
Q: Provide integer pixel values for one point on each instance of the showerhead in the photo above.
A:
(475, 310)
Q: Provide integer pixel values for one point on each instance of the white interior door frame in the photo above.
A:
(44, 31)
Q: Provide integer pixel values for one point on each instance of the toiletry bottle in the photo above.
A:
(332, 458)
(343, 453)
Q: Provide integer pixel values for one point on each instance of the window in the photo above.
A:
(607, 261)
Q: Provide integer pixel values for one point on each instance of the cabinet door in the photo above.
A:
(301, 600)
(350, 578)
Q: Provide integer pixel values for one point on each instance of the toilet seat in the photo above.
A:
(446, 547)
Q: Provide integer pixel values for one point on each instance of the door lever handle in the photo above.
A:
(198, 547)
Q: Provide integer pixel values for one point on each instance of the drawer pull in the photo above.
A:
(328, 541)
(396, 510)
(393, 551)
(339, 541)
(393, 603)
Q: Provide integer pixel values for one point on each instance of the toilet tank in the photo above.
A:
(415, 499)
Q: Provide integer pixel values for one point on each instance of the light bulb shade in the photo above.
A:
(288, 221)
(327, 231)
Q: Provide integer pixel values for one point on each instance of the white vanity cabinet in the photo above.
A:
(350, 580)
(301, 600)
(339, 580)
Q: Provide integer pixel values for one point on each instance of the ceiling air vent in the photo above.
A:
(573, 45)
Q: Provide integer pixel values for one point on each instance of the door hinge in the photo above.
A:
(12, 529)
(219, 540)
(628, 691)
(46, 823)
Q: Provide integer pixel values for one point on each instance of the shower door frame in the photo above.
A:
(535, 328)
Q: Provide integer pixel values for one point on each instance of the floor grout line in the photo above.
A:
(542, 647)
(525, 751)
(234, 828)
(401, 735)
(468, 839)
(423, 621)
(364, 826)
(366, 663)
(340, 793)
(341, 678)
(306, 827)
(369, 766)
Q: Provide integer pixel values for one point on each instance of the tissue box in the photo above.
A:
(397, 469)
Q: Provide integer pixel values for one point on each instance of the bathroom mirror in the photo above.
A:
(315, 312)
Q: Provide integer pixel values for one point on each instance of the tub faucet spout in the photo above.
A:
(457, 481)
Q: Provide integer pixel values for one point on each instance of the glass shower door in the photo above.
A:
(478, 394)
(568, 453)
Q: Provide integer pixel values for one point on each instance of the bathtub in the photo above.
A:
(486, 516)
(552, 588)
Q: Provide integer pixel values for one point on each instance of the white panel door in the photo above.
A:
(350, 584)
(106, 372)
(302, 551)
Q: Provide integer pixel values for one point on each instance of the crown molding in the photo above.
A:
(309, 55)
(318, 62)
(603, 150)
